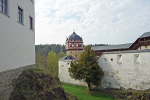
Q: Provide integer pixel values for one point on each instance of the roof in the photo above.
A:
(146, 34)
(110, 47)
(74, 36)
(69, 57)
(128, 51)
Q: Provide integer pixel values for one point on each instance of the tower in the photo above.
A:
(74, 45)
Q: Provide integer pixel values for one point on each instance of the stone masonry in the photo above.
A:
(6, 78)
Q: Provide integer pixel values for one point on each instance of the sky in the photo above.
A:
(96, 21)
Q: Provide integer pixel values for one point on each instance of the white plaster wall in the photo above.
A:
(17, 41)
(64, 74)
(127, 74)
(144, 47)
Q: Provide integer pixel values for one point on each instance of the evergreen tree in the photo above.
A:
(86, 68)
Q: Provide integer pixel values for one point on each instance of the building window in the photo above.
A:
(20, 15)
(3, 6)
(31, 22)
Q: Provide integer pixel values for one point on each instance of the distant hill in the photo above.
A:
(46, 48)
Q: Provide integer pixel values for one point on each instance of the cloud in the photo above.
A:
(97, 21)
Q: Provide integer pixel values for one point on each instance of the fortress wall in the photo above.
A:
(64, 74)
(125, 70)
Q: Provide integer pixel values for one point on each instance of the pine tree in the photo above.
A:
(86, 68)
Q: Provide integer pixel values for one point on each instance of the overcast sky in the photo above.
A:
(96, 21)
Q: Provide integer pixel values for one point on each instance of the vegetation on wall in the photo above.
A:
(86, 68)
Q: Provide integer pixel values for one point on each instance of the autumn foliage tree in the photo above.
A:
(86, 68)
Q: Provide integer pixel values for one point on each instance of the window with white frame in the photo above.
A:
(20, 15)
(31, 22)
(3, 6)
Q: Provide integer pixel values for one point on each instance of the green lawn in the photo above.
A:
(82, 93)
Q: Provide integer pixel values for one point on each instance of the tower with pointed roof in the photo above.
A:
(74, 45)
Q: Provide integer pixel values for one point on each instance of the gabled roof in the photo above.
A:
(111, 47)
(146, 34)
(69, 57)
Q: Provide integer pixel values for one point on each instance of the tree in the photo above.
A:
(86, 68)
(61, 54)
(52, 63)
(40, 58)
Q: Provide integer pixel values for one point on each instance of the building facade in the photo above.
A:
(74, 45)
(126, 65)
(143, 42)
(17, 34)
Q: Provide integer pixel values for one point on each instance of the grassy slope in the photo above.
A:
(82, 93)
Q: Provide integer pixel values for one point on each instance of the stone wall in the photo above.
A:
(126, 69)
(6, 78)
(64, 74)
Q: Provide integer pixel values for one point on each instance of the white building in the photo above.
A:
(17, 34)
(64, 64)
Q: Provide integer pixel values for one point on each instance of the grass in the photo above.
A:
(82, 93)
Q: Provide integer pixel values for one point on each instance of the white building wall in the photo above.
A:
(144, 47)
(64, 74)
(17, 41)
(131, 71)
